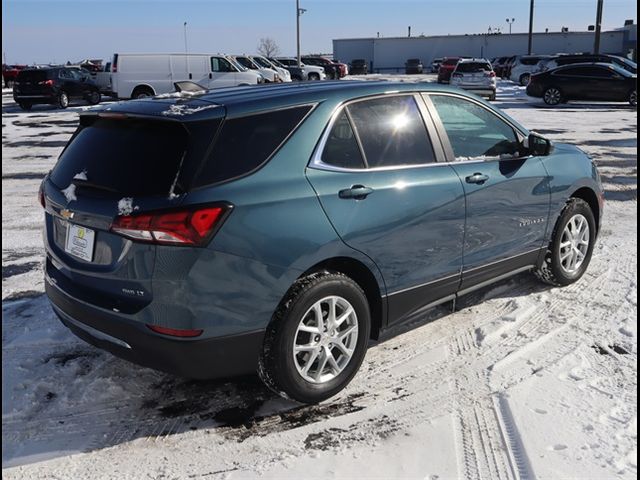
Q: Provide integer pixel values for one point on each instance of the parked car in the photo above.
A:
(10, 72)
(446, 68)
(55, 86)
(584, 81)
(330, 69)
(309, 72)
(359, 66)
(264, 62)
(343, 68)
(475, 75)
(270, 75)
(524, 65)
(413, 65)
(498, 65)
(386, 204)
(508, 64)
(296, 73)
(562, 60)
(138, 75)
(435, 65)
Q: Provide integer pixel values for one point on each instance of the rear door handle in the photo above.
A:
(477, 178)
(357, 192)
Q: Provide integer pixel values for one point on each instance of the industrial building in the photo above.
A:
(389, 54)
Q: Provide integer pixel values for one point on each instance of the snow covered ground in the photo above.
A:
(522, 381)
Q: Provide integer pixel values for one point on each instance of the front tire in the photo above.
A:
(314, 77)
(94, 98)
(552, 96)
(25, 106)
(569, 252)
(633, 98)
(317, 339)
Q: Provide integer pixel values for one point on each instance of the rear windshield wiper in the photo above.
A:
(86, 183)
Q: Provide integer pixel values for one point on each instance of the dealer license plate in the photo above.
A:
(80, 242)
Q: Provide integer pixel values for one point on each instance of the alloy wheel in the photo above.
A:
(325, 339)
(552, 96)
(574, 243)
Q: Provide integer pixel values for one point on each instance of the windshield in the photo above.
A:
(276, 63)
(236, 64)
(246, 62)
(625, 63)
(620, 70)
(262, 62)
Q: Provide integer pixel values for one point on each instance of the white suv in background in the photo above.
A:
(309, 72)
(264, 62)
(475, 75)
(524, 66)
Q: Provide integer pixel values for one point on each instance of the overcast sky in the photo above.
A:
(44, 31)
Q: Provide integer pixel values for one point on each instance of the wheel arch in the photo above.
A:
(143, 86)
(588, 195)
(362, 275)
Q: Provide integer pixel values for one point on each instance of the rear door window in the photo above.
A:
(246, 143)
(391, 131)
(127, 157)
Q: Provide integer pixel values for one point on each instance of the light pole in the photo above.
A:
(530, 28)
(596, 43)
(185, 38)
(299, 11)
(510, 22)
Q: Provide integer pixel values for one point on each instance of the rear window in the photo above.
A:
(32, 75)
(245, 143)
(473, 67)
(127, 157)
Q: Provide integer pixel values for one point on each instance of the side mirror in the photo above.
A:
(538, 145)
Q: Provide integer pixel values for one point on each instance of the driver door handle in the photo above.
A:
(478, 178)
(357, 192)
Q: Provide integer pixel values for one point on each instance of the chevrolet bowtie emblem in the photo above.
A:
(67, 214)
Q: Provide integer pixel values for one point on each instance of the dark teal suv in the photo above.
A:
(279, 228)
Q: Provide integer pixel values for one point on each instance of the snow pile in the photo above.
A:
(70, 193)
(180, 110)
(125, 206)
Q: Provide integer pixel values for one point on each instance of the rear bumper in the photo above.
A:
(477, 89)
(208, 358)
(34, 98)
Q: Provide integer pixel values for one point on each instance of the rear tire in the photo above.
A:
(314, 77)
(552, 96)
(63, 100)
(142, 92)
(25, 106)
(289, 371)
(556, 268)
(633, 98)
(94, 98)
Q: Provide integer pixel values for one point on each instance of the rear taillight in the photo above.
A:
(189, 226)
(174, 332)
(46, 83)
(490, 74)
(41, 198)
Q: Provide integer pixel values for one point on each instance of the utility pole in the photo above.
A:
(299, 11)
(596, 45)
(530, 27)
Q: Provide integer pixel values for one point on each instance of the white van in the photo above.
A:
(136, 75)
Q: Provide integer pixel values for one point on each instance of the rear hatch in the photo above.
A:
(475, 73)
(32, 82)
(118, 164)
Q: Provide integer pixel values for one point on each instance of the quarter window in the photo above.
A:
(244, 144)
(391, 131)
(473, 131)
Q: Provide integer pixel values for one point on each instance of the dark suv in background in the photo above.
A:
(358, 67)
(55, 86)
(413, 65)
